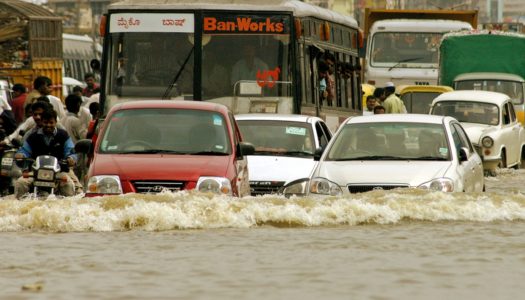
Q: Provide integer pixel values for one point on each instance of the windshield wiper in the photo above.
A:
(403, 61)
(373, 157)
(428, 158)
(154, 151)
(176, 78)
(209, 153)
(298, 153)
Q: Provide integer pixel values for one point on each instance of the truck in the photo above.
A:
(31, 43)
(402, 45)
(485, 60)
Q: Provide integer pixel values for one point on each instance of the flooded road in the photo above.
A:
(380, 245)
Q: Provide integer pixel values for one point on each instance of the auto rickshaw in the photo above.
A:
(418, 98)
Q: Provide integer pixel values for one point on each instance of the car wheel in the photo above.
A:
(503, 160)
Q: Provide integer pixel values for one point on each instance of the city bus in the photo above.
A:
(78, 52)
(194, 50)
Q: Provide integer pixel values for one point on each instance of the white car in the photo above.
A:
(285, 146)
(383, 152)
(490, 122)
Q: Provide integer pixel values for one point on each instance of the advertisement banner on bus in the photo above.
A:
(154, 22)
(246, 24)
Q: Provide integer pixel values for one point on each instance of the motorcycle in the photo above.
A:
(9, 171)
(45, 171)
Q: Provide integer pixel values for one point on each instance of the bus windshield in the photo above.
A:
(405, 49)
(155, 64)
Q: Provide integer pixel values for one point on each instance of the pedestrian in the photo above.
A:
(71, 122)
(17, 104)
(379, 109)
(392, 103)
(42, 87)
(370, 104)
(91, 85)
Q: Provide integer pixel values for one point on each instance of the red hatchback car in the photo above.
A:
(153, 146)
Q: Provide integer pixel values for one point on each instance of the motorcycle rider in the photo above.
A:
(48, 140)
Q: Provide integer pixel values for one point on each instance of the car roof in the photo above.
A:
(400, 118)
(473, 96)
(489, 76)
(424, 88)
(276, 117)
(180, 104)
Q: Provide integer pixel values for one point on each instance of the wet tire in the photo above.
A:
(503, 162)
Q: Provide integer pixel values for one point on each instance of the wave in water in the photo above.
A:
(191, 210)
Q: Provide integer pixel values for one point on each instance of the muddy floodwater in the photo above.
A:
(406, 244)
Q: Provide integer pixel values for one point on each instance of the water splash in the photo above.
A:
(192, 210)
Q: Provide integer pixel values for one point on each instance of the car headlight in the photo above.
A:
(104, 184)
(217, 185)
(46, 175)
(487, 142)
(324, 186)
(440, 184)
(297, 187)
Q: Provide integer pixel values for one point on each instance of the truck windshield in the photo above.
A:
(513, 89)
(405, 49)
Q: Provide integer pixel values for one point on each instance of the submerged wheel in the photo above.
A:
(503, 160)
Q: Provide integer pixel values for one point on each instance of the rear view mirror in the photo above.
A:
(318, 153)
(246, 148)
(463, 154)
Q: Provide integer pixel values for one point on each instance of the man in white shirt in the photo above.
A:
(43, 85)
(247, 67)
(71, 122)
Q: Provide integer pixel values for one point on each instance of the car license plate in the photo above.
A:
(44, 183)
(7, 161)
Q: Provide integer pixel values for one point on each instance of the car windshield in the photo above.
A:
(278, 137)
(468, 112)
(390, 141)
(513, 89)
(175, 131)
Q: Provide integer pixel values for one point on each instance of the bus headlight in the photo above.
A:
(324, 186)
(439, 184)
(487, 142)
(104, 184)
(217, 185)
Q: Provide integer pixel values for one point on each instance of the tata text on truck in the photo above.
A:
(31, 43)
(402, 45)
(182, 49)
(485, 60)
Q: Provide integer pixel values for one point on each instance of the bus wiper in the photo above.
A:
(403, 61)
(176, 78)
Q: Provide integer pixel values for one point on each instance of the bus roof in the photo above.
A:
(298, 8)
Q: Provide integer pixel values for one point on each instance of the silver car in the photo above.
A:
(383, 152)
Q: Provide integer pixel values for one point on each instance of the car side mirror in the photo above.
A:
(463, 154)
(318, 153)
(244, 148)
(84, 146)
